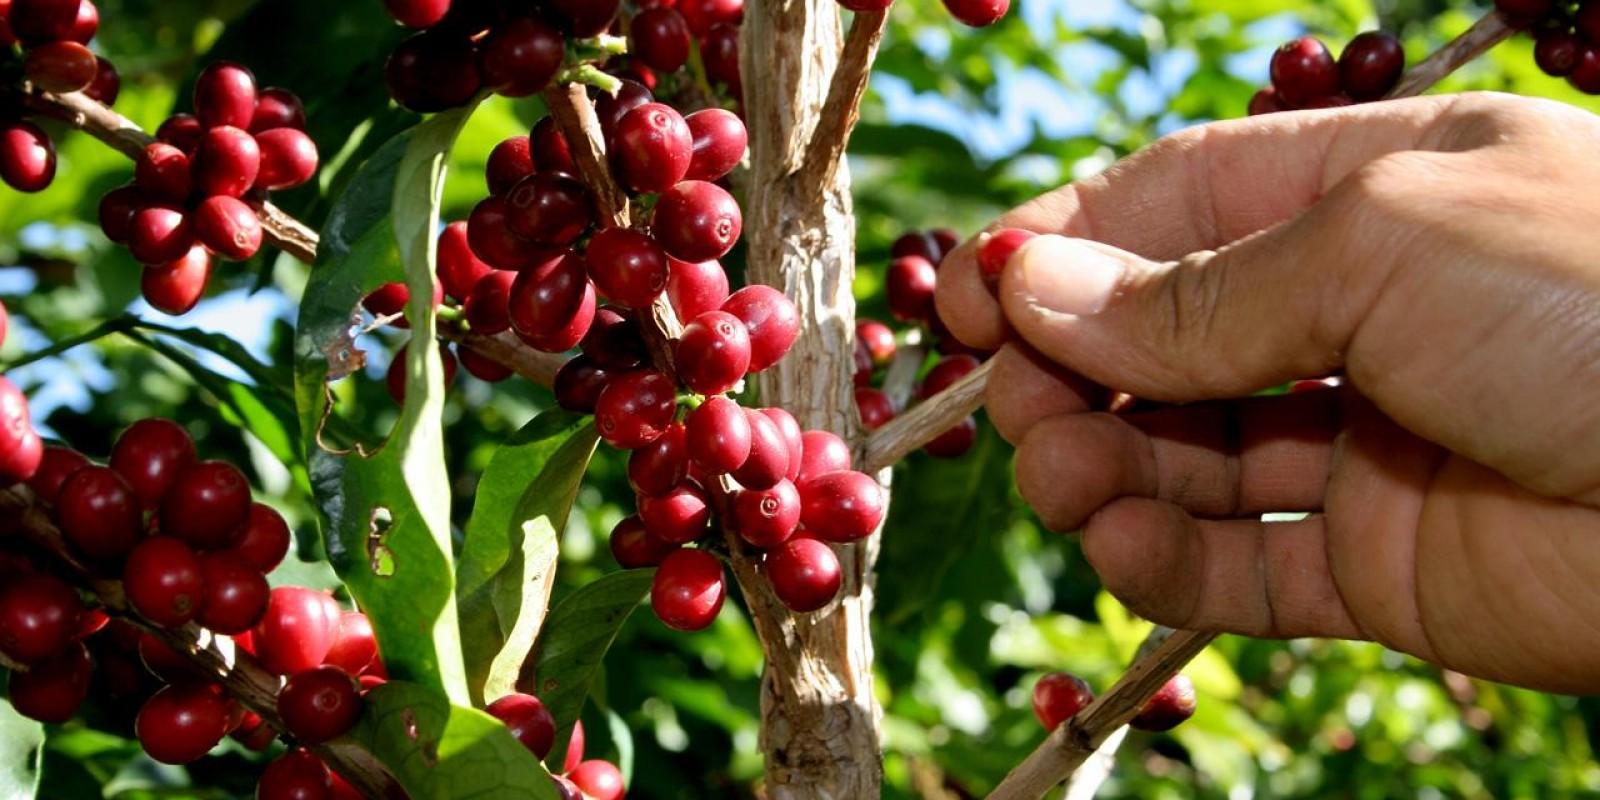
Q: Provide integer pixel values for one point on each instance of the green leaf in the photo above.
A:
(20, 741)
(439, 751)
(576, 637)
(508, 560)
(388, 513)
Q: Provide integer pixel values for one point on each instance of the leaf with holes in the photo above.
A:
(439, 750)
(509, 558)
(388, 513)
(574, 643)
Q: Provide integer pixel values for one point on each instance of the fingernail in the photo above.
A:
(1067, 276)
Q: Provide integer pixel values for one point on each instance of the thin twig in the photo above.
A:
(842, 110)
(924, 423)
(237, 672)
(1490, 30)
(505, 348)
(575, 116)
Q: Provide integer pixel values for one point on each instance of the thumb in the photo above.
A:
(1278, 306)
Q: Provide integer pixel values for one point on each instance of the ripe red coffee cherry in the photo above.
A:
(165, 663)
(39, 616)
(207, 505)
(1585, 77)
(678, 516)
(40, 21)
(911, 283)
(266, 539)
(528, 720)
(549, 208)
(793, 439)
(483, 367)
(661, 464)
(488, 305)
(769, 454)
(945, 374)
(720, 139)
(995, 250)
(946, 239)
(226, 162)
(772, 320)
(395, 379)
(635, 408)
(652, 146)
(719, 49)
(549, 147)
(107, 84)
(697, 221)
(568, 334)
(176, 287)
(319, 705)
(714, 353)
(21, 450)
(298, 775)
(161, 235)
(520, 57)
(578, 385)
(490, 235)
(1524, 12)
(277, 108)
(841, 506)
(235, 595)
(661, 39)
(875, 407)
(702, 15)
(767, 517)
(879, 340)
(822, 453)
(116, 211)
(1303, 72)
(53, 689)
(956, 442)
(56, 465)
(459, 270)
(1058, 697)
(635, 548)
(163, 581)
(87, 22)
(627, 267)
(61, 66)
(687, 595)
(718, 436)
(99, 513)
(694, 288)
(300, 627)
(916, 243)
(228, 227)
(1557, 51)
(418, 13)
(804, 573)
(1171, 706)
(433, 71)
(182, 131)
(181, 723)
(1371, 65)
(614, 341)
(225, 94)
(288, 158)
(611, 108)
(510, 161)
(27, 157)
(978, 13)
(585, 18)
(356, 648)
(547, 296)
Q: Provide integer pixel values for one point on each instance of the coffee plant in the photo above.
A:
(260, 536)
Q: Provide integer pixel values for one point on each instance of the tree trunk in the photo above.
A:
(819, 714)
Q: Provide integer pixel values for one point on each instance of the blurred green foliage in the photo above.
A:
(975, 598)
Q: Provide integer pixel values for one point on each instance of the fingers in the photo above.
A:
(1025, 387)
(1234, 576)
(1199, 189)
(1216, 461)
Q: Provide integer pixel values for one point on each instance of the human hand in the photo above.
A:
(1441, 254)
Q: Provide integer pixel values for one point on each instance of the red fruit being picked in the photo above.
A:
(996, 249)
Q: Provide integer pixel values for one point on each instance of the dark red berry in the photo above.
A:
(662, 464)
(266, 539)
(433, 71)
(687, 594)
(116, 211)
(490, 235)
(911, 284)
(719, 49)
(459, 270)
(228, 227)
(520, 57)
(585, 18)
(162, 172)
(769, 454)
(1557, 51)
(418, 13)
(697, 221)
(875, 406)
(718, 436)
(483, 367)
(793, 439)
(635, 408)
(1588, 22)
(40, 21)
(1371, 65)
(946, 239)
(1058, 697)
(549, 208)
(679, 516)
(207, 505)
(694, 288)
(225, 94)
(945, 374)
(916, 243)
(805, 574)
(1303, 72)
(56, 465)
(288, 158)
(40, 615)
(107, 84)
(488, 306)
(635, 548)
(714, 353)
(956, 442)
(978, 13)
(87, 22)
(182, 131)
(547, 297)
(702, 15)
(614, 341)
(1171, 706)
(611, 108)
(652, 147)
(628, 267)
(528, 720)
(163, 581)
(161, 235)
(300, 627)
(235, 595)
(822, 453)
(181, 723)
(841, 506)
(61, 66)
(53, 689)
(720, 139)
(399, 372)
(510, 161)
(549, 146)
(356, 648)
(99, 513)
(661, 39)
(578, 385)
(319, 705)
(277, 108)
(27, 157)
(298, 775)
(767, 517)
(226, 162)
(176, 287)
(772, 320)
(1585, 77)
(1523, 13)
(995, 250)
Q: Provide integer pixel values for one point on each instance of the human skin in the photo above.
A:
(1442, 255)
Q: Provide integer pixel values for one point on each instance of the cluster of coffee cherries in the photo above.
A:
(198, 188)
(532, 725)
(54, 36)
(21, 449)
(1566, 37)
(1059, 696)
(977, 13)
(1306, 76)
(911, 281)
